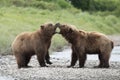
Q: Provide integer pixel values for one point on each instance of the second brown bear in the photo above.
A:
(84, 43)
(28, 44)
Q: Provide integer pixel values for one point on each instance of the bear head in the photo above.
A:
(48, 29)
(69, 32)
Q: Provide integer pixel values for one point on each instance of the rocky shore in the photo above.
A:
(56, 71)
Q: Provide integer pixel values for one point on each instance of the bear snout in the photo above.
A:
(57, 25)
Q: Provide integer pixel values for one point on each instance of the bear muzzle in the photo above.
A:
(58, 28)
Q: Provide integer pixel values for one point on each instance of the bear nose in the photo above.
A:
(57, 24)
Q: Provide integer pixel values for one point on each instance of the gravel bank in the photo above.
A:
(56, 71)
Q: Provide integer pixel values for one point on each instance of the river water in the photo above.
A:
(66, 54)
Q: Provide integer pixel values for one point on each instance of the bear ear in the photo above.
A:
(42, 27)
(70, 30)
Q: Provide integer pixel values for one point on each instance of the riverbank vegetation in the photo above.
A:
(17, 16)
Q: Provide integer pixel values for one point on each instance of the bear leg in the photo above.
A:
(41, 59)
(100, 60)
(73, 59)
(82, 59)
(27, 60)
(104, 61)
(21, 61)
(47, 58)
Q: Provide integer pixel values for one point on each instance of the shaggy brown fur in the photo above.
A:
(87, 43)
(28, 44)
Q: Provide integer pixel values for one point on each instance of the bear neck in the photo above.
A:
(46, 37)
(71, 38)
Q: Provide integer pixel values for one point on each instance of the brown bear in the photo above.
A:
(86, 43)
(28, 44)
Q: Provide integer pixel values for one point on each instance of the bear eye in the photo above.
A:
(70, 30)
(42, 27)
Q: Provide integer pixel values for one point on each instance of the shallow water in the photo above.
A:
(66, 54)
(116, 50)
